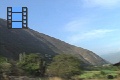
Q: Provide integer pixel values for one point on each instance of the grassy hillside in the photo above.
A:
(16, 41)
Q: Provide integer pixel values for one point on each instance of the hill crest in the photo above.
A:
(15, 41)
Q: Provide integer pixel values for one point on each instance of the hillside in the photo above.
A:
(15, 41)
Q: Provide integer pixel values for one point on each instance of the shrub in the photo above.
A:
(65, 66)
(110, 77)
(33, 64)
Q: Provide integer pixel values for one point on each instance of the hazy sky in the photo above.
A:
(91, 24)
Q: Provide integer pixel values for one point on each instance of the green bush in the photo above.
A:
(65, 66)
(33, 64)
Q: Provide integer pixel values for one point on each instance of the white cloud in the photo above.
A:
(101, 3)
(77, 38)
(81, 30)
(77, 25)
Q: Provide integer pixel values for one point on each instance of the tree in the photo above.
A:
(64, 65)
(14, 69)
(33, 64)
(2, 59)
(4, 67)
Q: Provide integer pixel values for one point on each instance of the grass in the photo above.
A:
(98, 74)
(89, 74)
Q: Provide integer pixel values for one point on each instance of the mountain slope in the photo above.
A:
(15, 41)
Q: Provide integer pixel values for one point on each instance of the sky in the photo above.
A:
(90, 24)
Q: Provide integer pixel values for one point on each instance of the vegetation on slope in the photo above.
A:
(63, 67)
(14, 41)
